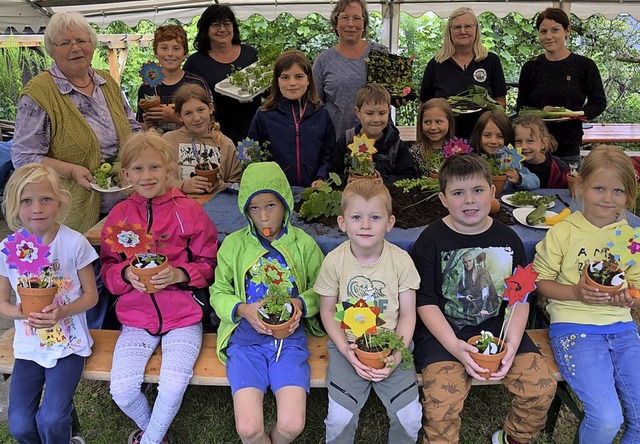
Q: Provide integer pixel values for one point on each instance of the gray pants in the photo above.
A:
(180, 349)
(348, 393)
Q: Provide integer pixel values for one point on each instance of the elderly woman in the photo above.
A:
(219, 50)
(560, 78)
(341, 71)
(72, 117)
(461, 62)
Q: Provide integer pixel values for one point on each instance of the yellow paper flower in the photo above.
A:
(363, 145)
(360, 320)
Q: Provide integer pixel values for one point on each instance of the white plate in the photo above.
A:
(96, 187)
(557, 119)
(469, 111)
(225, 88)
(521, 216)
(507, 199)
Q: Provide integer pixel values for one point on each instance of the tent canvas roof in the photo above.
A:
(34, 13)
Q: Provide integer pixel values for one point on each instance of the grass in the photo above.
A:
(206, 417)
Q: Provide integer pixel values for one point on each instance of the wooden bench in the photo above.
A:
(208, 369)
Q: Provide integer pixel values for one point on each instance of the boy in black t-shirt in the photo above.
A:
(463, 260)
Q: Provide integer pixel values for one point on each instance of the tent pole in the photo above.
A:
(390, 24)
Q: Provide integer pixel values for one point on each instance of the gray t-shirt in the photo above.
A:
(338, 79)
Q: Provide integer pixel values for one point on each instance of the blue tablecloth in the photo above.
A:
(223, 210)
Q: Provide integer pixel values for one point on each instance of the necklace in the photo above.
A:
(90, 74)
(464, 62)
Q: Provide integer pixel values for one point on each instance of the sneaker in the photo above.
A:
(77, 440)
(499, 437)
(135, 437)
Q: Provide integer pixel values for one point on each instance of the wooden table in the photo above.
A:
(599, 133)
(94, 233)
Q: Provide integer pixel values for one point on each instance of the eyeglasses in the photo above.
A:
(217, 25)
(459, 28)
(68, 44)
(346, 18)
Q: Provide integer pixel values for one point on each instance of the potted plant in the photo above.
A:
(393, 72)
(276, 312)
(250, 151)
(360, 320)
(505, 159)
(321, 201)
(571, 178)
(491, 350)
(35, 287)
(135, 243)
(152, 75)
(605, 275)
(433, 160)
(360, 163)
(204, 167)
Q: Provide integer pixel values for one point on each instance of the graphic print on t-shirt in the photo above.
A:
(473, 283)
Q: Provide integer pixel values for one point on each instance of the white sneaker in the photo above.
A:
(77, 440)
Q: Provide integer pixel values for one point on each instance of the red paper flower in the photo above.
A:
(520, 284)
(129, 239)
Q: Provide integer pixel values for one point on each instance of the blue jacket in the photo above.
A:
(304, 155)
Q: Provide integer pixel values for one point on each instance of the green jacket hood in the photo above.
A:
(265, 177)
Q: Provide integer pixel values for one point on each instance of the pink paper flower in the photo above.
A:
(26, 253)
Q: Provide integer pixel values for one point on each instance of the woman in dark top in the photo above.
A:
(461, 62)
(560, 78)
(219, 49)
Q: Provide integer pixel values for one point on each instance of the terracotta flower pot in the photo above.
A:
(35, 299)
(145, 274)
(372, 359)
(495, 206)
(433, 175)
(280, 331)
(376, 177)
(147, 104)
(490, 362)
(499, 181)
(571, 180)
(210, 174)
(591, 280)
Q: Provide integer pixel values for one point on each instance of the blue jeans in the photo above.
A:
(602, 371)
(50, 422)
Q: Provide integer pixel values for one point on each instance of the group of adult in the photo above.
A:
(72, 117)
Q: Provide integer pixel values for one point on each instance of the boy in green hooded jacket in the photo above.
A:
(268, 252)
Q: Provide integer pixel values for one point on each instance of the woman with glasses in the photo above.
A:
(218, 50)
(340, 72)
(461, 62)
(72, 118)
(561, 78)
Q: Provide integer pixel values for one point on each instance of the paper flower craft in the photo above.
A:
(456, 146)
(363, 145)
(130, 239)
(625, 244)
(511, 156)
(520, 284)
(151, 74)
(26, 253)
(358, 316)
(250, 151)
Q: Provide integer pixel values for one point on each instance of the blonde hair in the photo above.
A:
(65, 21)
(447, 50)
(23, 176)
(367, 189)
(445, 107)
(373, 94)
(193, 91)
(138, 142)
(538, 130)
(611, 158)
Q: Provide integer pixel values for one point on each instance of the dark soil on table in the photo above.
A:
(412, 210)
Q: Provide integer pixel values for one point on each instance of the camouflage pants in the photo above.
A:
(447, 384)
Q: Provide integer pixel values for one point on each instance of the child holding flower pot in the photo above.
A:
(593, 336)
(50, 347)
(368, 267)
(157, 218)
(268, 258)
(201, 141)
(462, 260)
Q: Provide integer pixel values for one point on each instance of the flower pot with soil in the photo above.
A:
(35, 298)
(277, 314)
(375, 177)
(373, 348)
(498, 182)
(147, 265)
(605, 276)
(491, 350)
(149, 102)
(209, 171)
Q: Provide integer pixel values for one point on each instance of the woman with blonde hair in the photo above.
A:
(461, 62)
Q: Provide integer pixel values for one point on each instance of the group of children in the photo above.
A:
(435, 298)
